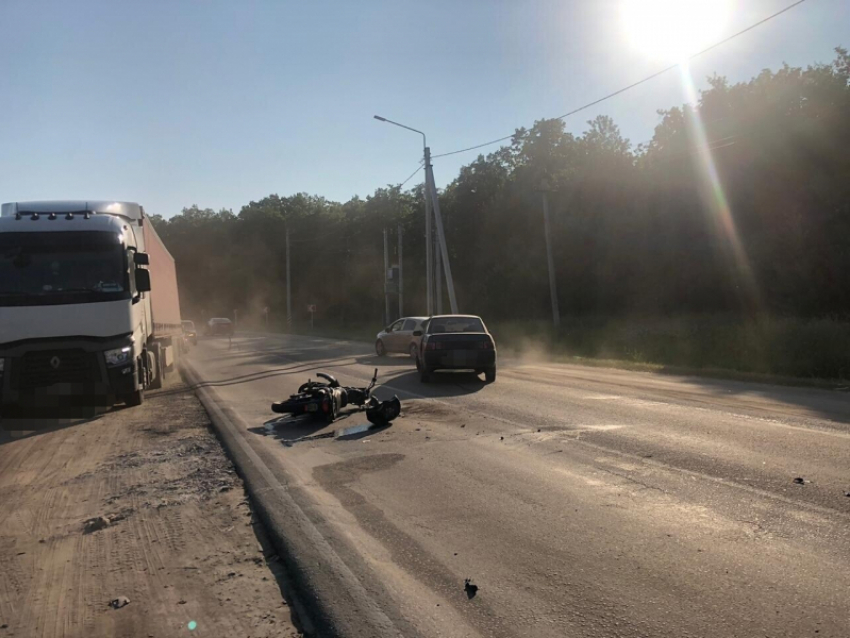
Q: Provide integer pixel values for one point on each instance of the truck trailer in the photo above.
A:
(89, 308)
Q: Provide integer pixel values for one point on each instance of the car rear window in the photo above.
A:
(455, 324)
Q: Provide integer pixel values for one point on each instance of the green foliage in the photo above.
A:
(640, 231)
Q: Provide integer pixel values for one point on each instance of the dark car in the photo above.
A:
(220, 326)
(455, 342)
(189, 332)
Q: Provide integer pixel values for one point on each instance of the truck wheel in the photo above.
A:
(490, 374)
(134, 398)
(158, 369)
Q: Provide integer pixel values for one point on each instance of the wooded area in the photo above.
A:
(738, 205)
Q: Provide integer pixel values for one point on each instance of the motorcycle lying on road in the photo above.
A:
(325, 399)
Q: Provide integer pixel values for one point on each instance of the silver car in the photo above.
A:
(398, 337)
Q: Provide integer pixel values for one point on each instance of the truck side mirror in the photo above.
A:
(417, 333)
(143, 280)
(141, 259)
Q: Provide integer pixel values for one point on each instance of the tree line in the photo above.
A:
(739, 204)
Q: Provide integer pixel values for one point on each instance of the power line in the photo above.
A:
(411, 175)
(638, 83)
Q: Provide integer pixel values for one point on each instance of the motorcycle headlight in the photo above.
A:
(119, 356)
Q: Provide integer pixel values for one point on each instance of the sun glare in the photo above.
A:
(673, 30)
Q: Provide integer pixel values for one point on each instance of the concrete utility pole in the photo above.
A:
(438, 218)
(386, 287)
(429, 248)
(553, 286)
(438, 278)
(400, 276)
(288, 286)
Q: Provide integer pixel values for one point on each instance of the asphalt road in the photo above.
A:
(581, 501)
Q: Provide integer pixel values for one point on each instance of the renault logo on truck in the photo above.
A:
(55, 362)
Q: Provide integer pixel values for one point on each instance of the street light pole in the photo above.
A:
(386, 289)
(288, 288)
(400, 275)
(441, 236)
(429, 244)
(429, 285)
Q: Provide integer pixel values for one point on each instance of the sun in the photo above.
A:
(673, 30)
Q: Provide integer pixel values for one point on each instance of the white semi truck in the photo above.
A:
(89, 310)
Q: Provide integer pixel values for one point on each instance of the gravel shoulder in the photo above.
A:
(137, 505)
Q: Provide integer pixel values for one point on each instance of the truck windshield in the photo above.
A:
(48, 268)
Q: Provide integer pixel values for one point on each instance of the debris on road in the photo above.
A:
(470, 588)
(801, 481)
(95, 524)
(118, 603)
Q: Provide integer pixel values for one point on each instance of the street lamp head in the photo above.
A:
(379, 118)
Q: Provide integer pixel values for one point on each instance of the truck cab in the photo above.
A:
(78, 329)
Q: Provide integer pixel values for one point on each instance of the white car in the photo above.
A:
(398, 337)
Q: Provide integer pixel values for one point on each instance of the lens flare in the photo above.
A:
(673, 30)
(714, 197)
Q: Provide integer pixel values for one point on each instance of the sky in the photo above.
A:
(172, 103)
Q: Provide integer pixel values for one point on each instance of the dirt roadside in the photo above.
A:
(139, 504)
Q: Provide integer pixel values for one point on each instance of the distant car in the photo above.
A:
(398, 337)
(455, 342)
(189, 332)
(219, 326)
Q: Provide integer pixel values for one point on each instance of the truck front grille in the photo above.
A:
(45, 368)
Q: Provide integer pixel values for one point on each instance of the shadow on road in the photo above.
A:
(16, 429)
(388, 360)
(442, 384)
(290, 430)
(832, 404)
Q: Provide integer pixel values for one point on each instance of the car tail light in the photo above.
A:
(326, 406)
(487, 345)
(431, 345)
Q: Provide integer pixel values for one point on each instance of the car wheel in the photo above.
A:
(414, 351)
(380, 350)
(134, 398)
(490, 374)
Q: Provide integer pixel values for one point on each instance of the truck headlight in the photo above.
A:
(119, 356)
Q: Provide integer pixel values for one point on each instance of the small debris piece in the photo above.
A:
(118, 603)
(501, 438)
(800, 480)
(470, 588)
(181, 602)
(847, 494)
(95, 524)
